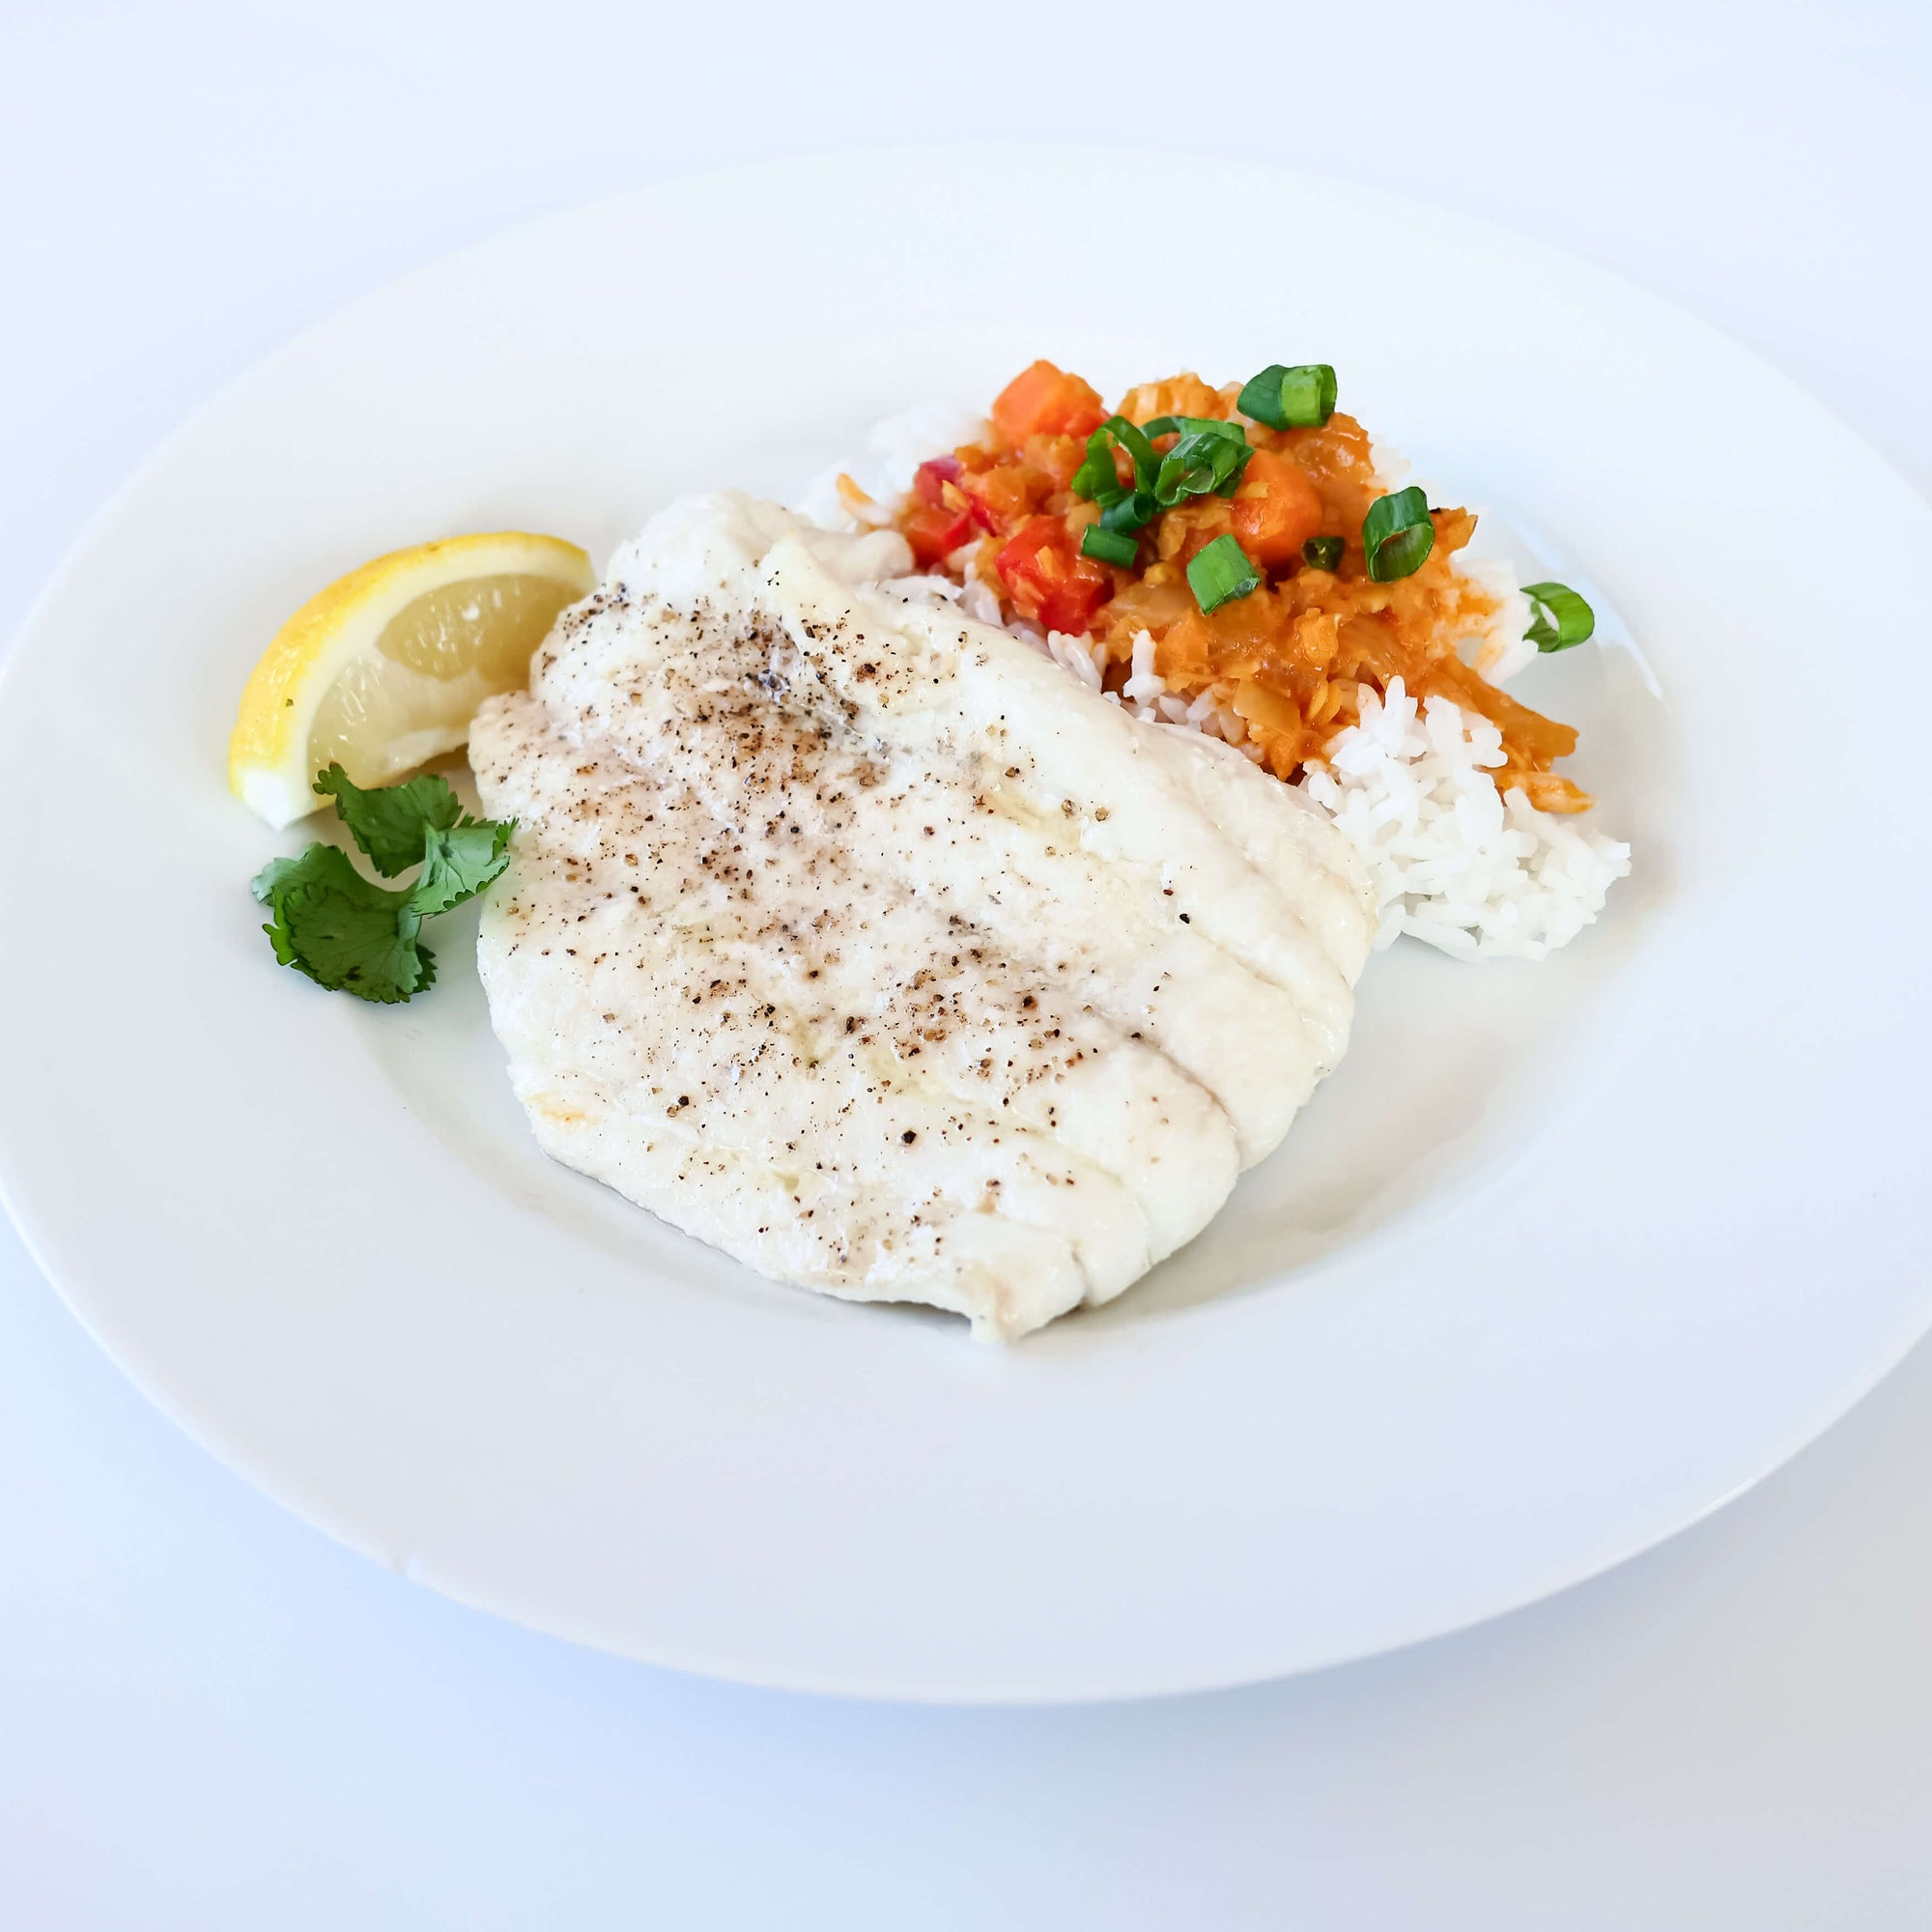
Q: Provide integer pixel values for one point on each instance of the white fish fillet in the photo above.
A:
(858, 940)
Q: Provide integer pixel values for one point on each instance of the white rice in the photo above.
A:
(895, 449)
(1457, 864)
(1477, 873)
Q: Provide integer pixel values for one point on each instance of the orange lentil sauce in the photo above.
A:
(1289, 659)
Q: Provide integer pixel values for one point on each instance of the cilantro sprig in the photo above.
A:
(353, 936)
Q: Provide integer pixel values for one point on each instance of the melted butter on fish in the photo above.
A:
(860, 940)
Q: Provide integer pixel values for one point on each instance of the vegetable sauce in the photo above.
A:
(1269, 566)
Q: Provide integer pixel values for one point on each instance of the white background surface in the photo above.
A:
(210, 1717)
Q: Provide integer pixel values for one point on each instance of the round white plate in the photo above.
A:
(1559, 1259)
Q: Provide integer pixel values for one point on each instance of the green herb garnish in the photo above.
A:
(1397, 534)
(343, 930)
(1299, 398)
(1097, 479)
(1220, 572)
(1322, 552)
(1134, 511)
(1195, 426)
(388, 821)
(1558, 617)
(1109, 546)
(353, 936)
(1208, 457)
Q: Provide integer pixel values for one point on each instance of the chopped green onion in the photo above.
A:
(1221, 572)
(1559, 617)
(1109, 546)
(1299, 398)
(1187, 469)
(1199, 425)
(1097, 479)
(1135, 509)
(1322, 552)
(1260, 396)
(1135, 442)
(1397, 534)
(1229, 460)
(1208, 458)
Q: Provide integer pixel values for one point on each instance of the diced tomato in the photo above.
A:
(1275, 510)
(1046, 401)
(1049, 581)
(1073, 606)
(935, 531)
(930, 478)
(943, 483)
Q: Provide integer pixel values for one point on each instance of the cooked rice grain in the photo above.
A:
(1456, 864)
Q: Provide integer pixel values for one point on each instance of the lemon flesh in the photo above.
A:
(384, 669)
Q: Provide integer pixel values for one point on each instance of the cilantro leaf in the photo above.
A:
(459, 862)
(345, 932)
(392, 822)
(353, 936)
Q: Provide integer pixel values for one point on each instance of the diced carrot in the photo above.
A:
(1045, 399)
(1276, 510)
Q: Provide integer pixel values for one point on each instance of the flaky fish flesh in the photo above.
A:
(861, 941)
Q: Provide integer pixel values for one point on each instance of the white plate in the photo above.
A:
(1561, 1259)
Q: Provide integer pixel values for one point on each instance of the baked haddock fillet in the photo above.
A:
(860, 940)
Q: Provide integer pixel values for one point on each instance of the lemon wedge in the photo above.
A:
(384, 669)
